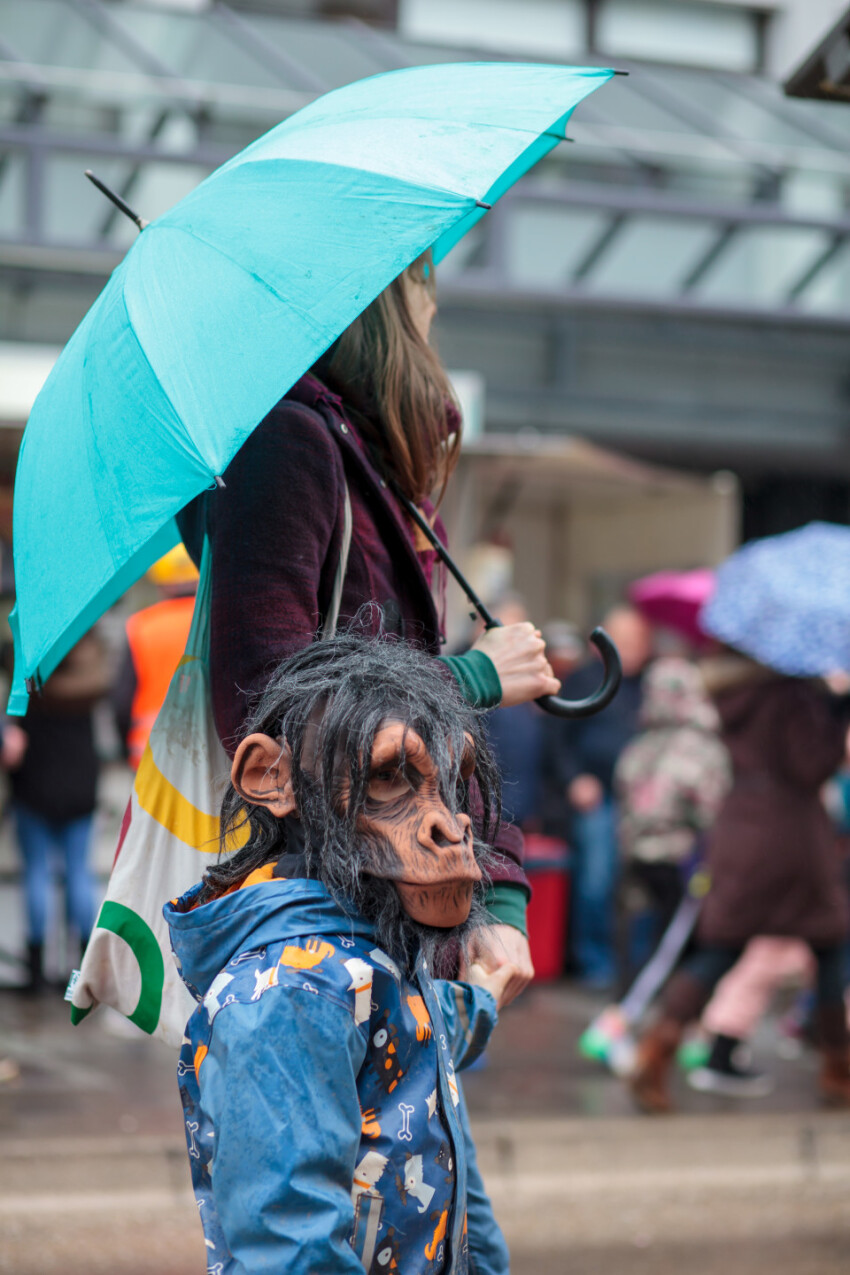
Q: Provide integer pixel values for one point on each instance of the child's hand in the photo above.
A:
(496, 983)
(496, 945)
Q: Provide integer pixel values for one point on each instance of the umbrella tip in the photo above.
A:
(621, 72)
(116, 200)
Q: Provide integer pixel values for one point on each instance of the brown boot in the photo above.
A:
(649, 1081)
(834, 1081)
(832, 1038)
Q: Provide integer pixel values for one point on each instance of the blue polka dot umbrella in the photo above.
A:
(785, 601)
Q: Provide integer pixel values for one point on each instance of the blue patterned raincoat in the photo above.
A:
(321, 1105)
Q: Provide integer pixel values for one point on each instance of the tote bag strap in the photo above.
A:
(329, 626)
(198, 643)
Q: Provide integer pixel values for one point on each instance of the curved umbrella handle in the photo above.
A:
(612, 668)
(601, 698)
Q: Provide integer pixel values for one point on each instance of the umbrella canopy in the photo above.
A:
(227, 299)
(785, 601)
(674, 599)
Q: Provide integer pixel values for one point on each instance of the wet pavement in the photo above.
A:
(93, 1172)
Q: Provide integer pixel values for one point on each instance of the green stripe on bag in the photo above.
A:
(140, 938)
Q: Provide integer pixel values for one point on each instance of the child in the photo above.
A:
(670, 782)
(318, 1071)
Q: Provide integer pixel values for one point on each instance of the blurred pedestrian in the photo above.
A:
(156, 640)
(13, 745)
(773, 860)
(565, 647)
(740, 1001)
(583, 754)
(54, 793)
(669, 783)
(744, 995)
(516, 735)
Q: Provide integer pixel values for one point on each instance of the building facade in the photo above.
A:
(674, 283)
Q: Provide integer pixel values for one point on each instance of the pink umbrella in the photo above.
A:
(674, 599)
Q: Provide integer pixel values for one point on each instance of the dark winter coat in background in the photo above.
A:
(275, 532)
(592, 745)
(773, 855)
(57, 778)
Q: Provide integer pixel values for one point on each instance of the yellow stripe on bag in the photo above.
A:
(163, 802)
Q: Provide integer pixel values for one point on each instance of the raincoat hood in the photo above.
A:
(674, 694)
(206, 937)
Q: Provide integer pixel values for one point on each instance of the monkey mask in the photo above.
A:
(368, 744)
(408, 833)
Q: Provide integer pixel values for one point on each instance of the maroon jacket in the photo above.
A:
(773, 854)
(275, 532)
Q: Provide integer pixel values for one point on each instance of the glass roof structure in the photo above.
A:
(691, 190)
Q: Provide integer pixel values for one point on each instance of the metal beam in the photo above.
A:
(650, 201)
(712, 253)
(646, 86)
(98, 16)
(57, 259)
(755, 89)
(599, 247)
(487, 290)
(382, 44)
(814, 268)
(126, 187)
(17, 137)
(286, 68)
(31, 103)
(130, 87)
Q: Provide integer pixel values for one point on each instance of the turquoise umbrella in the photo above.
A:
(225, 301)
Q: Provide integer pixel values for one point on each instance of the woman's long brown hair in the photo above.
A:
(382, 361)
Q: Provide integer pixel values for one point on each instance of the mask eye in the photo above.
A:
(388, 783)
(380, 1038)
(467, 761)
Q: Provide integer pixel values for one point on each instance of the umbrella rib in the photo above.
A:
(193, 234)
(182, 436)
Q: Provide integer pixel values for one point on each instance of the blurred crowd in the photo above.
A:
(688, 843)
(703, 818)
(53, 757)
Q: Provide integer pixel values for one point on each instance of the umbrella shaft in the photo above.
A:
(442, 552)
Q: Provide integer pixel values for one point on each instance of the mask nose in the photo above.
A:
(440, 829)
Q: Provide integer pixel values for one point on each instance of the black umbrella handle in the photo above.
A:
(612, 676)
(612, 673)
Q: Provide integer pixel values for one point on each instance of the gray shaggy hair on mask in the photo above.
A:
(327, 703)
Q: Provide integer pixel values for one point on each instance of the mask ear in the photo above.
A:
(262, 774)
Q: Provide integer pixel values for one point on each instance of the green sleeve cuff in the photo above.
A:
(508, 904)
(475, 674)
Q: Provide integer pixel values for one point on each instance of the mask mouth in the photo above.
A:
(443, 905)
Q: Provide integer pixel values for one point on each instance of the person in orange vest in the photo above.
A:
(156, 640)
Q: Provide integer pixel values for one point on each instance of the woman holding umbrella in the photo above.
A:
(373, 421)
(773, 858)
